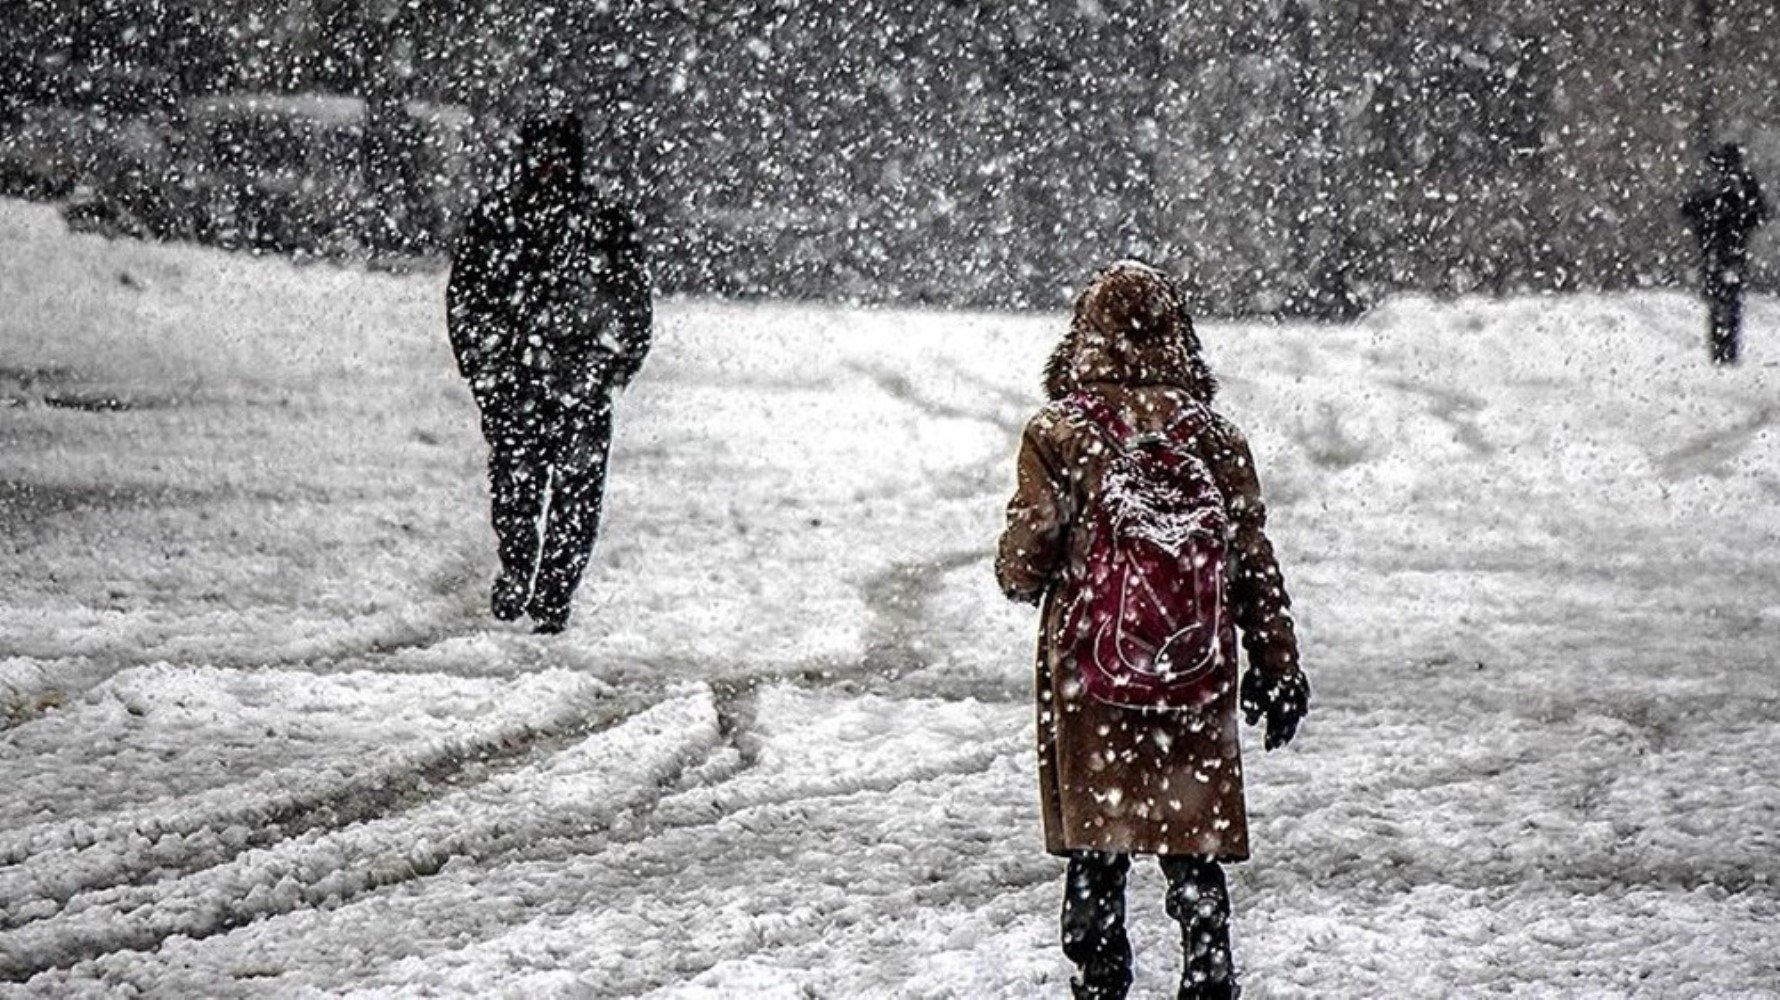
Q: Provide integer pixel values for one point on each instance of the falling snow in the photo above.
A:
(260, 735)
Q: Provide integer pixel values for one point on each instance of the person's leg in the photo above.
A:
(1724, 302)
(571, 524)
(516, 474)
(1733, 322)
(1094, 924)
(1199, 900)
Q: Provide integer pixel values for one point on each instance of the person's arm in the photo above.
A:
(472, 316)
(1274, 685)
(1258, 595)
(636, 309)
(1032, 549)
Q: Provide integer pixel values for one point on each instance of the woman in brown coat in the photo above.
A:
(1117, 781)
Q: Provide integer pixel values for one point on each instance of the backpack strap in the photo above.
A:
(1107, 419)
(1103, 416)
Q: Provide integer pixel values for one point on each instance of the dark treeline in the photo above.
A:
(1290, 156)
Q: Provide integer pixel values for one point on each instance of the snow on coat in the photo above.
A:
(1112, 778)
(1725, 212)
(549, 294)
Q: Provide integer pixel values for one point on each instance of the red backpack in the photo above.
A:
(1145, 618)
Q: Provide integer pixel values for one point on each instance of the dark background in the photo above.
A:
(1291, 157)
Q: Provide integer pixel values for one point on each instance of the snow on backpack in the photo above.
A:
(1145, 617)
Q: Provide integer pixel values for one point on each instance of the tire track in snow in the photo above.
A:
(706, 800)
(596, 870)
(31, 686)
(586, 787)
(897, 598)
(1019, 402)
(825, 760)
(793, 929)
(899, 638)
(600, 880)
(1707, 454)
(718, 791)
(977, 480)
(872, 761)
(1455, 408)
(44, 866)
(901, 387)
(714, 804)
(451, 608)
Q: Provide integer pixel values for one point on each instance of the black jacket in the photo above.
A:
(549, 294)
(1723, 214)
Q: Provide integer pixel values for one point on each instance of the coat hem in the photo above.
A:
(1221, 857)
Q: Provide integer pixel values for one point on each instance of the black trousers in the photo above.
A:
(1094, 923)
(547, 479)
(1724, 302)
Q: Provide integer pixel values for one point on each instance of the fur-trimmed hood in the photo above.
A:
(1131, 326)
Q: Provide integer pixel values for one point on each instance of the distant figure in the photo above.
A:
(1137, 524)
(549, 313)
(1722, 214)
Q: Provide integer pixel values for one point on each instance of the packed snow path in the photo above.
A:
(260, 737)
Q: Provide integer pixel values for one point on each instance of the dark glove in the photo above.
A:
(1283, 700)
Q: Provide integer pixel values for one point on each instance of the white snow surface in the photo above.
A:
(259, 736)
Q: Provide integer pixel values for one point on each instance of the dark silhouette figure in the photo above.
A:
(1722, 214)
(549, 313)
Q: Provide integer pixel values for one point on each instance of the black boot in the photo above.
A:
(1094, 925)
(548, 619)
(1199, 900)
(1082, 989)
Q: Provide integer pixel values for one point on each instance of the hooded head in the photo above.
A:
(1131, 325)
(1130, 300)
(1726, 158)
(552, 152)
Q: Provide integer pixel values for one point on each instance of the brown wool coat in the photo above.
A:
(1111, 778)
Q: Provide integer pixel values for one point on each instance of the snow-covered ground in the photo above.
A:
(259, 737)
